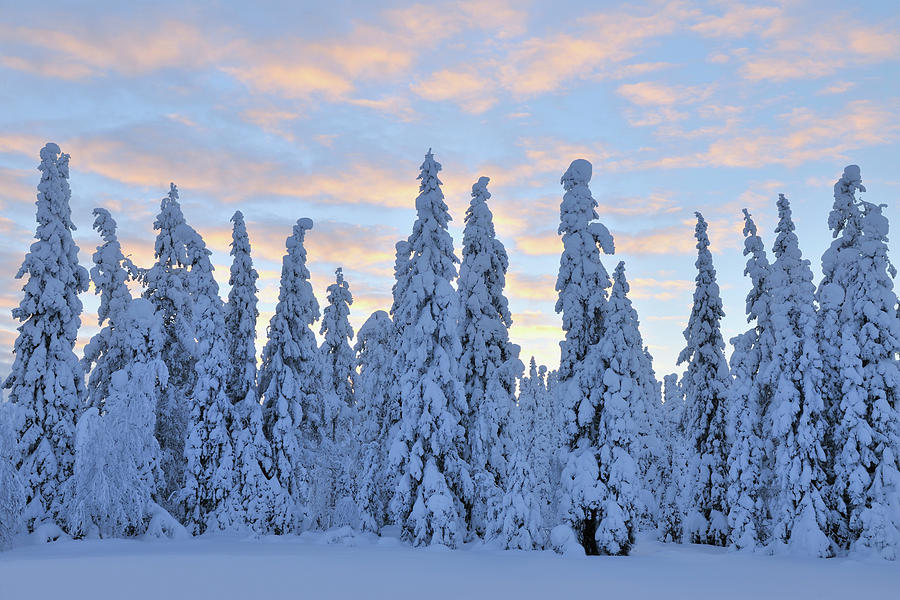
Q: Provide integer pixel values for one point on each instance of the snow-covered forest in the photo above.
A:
(427, 421)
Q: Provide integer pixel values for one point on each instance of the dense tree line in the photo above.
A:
(429, 422)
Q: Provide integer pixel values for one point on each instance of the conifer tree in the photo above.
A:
(523, 505)
(581, 284)
(377, 416)
(108, 350)
(209, 498)
(290, 383)
(259, 495)
(705, 384)
(46, 379)
(434, 478)
(166, 286)
(117, 470)
(749, 474)
(673, 477)
(867, 430)
(332, 492)
(799, 516)
(490, 363)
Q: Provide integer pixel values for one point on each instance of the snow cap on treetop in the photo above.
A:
(579, 172)
(238, 215)
(173, 191)
(481, 186)
(50, 151)
(305, 223)
(853, 177)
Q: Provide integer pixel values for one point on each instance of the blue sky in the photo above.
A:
(325, 110)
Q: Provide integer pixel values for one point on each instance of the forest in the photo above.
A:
(427, 419)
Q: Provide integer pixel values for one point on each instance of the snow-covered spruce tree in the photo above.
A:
(107, 351)
(332, 495)
(290, 383)
(377, 414)
(117, 470)
(749, 473)
(434, 480)
(581, 284)
(46, 379)
(705, 385)
(867, 463)
(674, 469)
(12, 491)
(795, 415)
(606, 429)
(840, 264)
(524, 501)
(490, 363)
(209, 499)
(258, 494)
(166, 287)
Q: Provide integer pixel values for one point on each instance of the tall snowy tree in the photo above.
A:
(434, 479)
(377, 417)
(602, 468)
(46, 379)
(840, 264)
(705, 384)
(796, 419)
(166, 286)
(259, 495)
(290, 382)
(672, 498)
(582, 285)
(867, 430)
(117, 470)
(523, 505)
(108, 350)
(209, 498)
(332, 492)
(490, 363)
(749, 473)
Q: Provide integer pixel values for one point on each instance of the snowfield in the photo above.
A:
(309, 566)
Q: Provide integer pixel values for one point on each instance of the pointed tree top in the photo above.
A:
(105, 224)
(173, 191)
(749, 225)
(578, 173)
(238, 216)
(339, 276)
(619, 276)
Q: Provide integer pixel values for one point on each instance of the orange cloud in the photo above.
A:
(465, 87)
(531, 287)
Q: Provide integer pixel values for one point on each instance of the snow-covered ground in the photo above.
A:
(310, 567)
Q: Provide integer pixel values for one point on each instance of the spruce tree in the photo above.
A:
(581, 284)
(209, 499)
(749, 474)
(522, 506)
(434, 479)
(867, 429)
(108, 350)
(259, 494)
(490, 363)
(674, 471)
(290, 383)
(117, 469)
(332, 493)
(377, 416)
(796, 411)
(46, 379)
(705, 384)
(166, 286)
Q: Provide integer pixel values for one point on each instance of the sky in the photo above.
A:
(325, 110)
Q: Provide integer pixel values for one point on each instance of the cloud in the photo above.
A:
(737, 21)
(537, 287)
(465, 87)
(654, 93)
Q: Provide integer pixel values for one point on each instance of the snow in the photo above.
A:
(308, 566)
